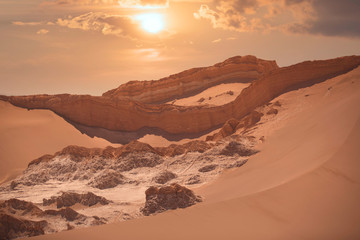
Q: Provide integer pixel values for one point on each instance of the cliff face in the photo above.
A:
(236, 69)
(125, 115)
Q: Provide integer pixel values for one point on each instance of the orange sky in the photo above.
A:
(90, 46)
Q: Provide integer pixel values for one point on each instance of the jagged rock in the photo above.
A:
(113, 113)
(45, 158)
(194, 180)
(272, 111)
(70, 227)
(77, 153)
(233, 124)
(13, 185)
(137, 160)
(168, 197)
(176, 149)
(68, 199)
(233, 148)
(164, 177)
(108, 179)
(277, 104)
(98, 221)
(12, 227)
(14, 205)
(208, 168)
(237, 164)
(68, 213)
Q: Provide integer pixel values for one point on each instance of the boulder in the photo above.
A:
(13, 227)
(164, 177)
(168, 197)
(233, 148)
(68, 199)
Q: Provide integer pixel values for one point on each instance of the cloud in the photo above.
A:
(217, 40)
(119, 25)
(325, 17)
(109, 24)
(42, 31)
(122, 3)
(19, 23)
(333, 18)
(237, 15)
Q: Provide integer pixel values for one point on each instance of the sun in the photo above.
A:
(151, 22)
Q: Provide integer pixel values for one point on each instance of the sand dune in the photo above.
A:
(304, 184)
(26, 135)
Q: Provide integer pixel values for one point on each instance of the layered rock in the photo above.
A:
(168, 197)
(15, 227)
(20, 207)
(189, 82)
(124, 115)
(68, 199)
(16, 215)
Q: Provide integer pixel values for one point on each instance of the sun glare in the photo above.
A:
(151, 22)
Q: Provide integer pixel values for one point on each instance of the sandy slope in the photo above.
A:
(216, 96)
(26, 135)
(303, 185)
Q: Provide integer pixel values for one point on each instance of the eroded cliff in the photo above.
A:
(126, 115)
(236, 69)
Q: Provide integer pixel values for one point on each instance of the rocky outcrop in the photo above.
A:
(68, 199)
(108, 179)
(164, 177)
(168, 197)
(14, 227)
(77, 154)
(20, 207)
(208, 168)
(178, 149)
(67, 213)
(15, 218)
(189, 82)
(126, 115)
(232, 125)
(233, 148)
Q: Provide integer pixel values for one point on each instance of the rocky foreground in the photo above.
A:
(79, 187)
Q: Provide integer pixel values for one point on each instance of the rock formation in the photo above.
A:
(233, 148)
(15, 222)
(126, 115)
(232, 125)
(168, 197)
(164, 177)
(68, 199)
(20, 207)
(108, 179)
(67, 213)
(178, 149)
(15, 227)
(192, 81)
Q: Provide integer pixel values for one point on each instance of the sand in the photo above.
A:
(26, 135)
(214, 96)
(304, 184)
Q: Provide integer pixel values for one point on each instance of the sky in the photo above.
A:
(91, 46)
